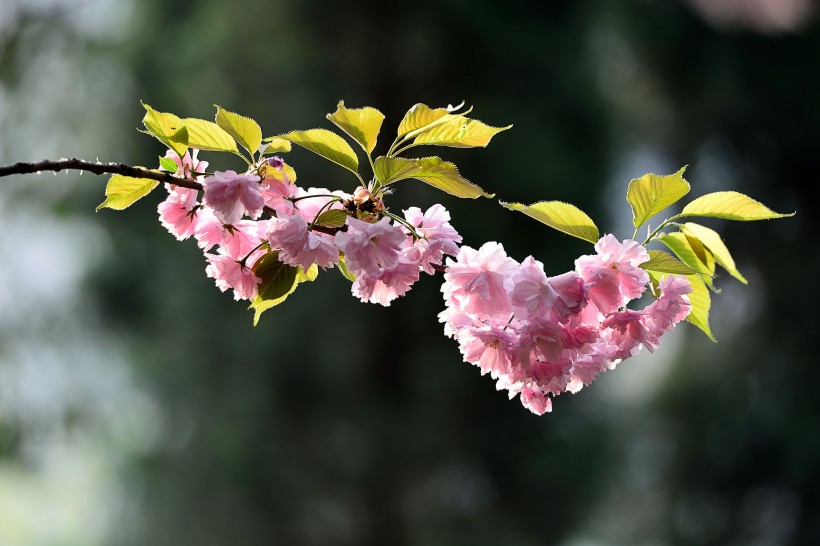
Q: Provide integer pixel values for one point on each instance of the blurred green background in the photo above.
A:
(138, 405)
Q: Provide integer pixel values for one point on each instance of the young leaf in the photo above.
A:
(167, 128)
(168, 164)
(332, 218)
(711, 240)
(663, 262)
(123, 191)
(682, 247)
(703, 254)
(459, 132)
(275, 145)
(207, 135)
(730, 205)
(652, 193)
(286, 172)
(564, 217)
(327, 144)
(421, 116)
(362, 124)
(439, 174)
(244, 130)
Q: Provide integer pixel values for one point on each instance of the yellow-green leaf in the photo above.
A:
(421, 116)
(167, 128)
(445, 176)
(207, 135)
(652, 193)
(332, 218)
(459, 132)
(326, 144)
(244, 130)
(663, 262)
(349, 275)
(287, 172)
(681, 246)
(123, 191)
(362, 124)
(393, 169)
(276, 145)
(730, 205)
(564, 217)
(711, 240)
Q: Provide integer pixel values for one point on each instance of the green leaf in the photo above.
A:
(444, 176)
(682, 247)
(276, 174)
(730, 205)
(711, 240)
(393, 169)
(564, 217)
(362, 124)
(277, 277)
(168, 164)
(332, 218)
(260, 305)
(123, 191)
(421, 116)
(207, 135)
(167, 128)
(652, 193)
(276, 145)
(244, 130)
(349, 275)
(663, 262)
(459, 132)
(326, 144)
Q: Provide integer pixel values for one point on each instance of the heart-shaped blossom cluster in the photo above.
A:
(539, 336)
(385, 256)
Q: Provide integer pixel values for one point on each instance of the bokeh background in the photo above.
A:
(138, 405)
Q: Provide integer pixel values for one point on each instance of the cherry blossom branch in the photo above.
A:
(98, 169)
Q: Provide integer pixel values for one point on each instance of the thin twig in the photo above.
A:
(97, 168)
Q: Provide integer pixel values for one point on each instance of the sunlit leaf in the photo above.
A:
(326, 144)
(167, 128)
(459, 132)
(332, 218)
(652, 193)
(286, 174)
(421, 116)
(168, 164)
(439, 174)
(123, 191)
(275, 145)
(663, 262)
(564, 217)
(277, 277)
(207, 135)
(711, 240)
(393, 169)
(244, 130)
(362, 124)
(730, 205)
(349, 275)
(682, 248)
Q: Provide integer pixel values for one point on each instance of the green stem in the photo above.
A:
(669, 221)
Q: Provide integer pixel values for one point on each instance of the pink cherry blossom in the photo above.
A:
(230, 273)
(491, 348)
(315, 201)
(179, 212)
(235, 240)
(534, 399)
(478, 279)
(370, 247)
(438, 236)
(613, 276)
(233, 195)
(188, 165)
(300, 246)
(387, 284)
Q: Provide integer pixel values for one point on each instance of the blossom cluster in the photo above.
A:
(386, 257)
(539, 336)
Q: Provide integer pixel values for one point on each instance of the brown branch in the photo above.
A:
(97, 168)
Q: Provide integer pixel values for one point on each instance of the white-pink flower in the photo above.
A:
(438, 236)
(188, 165)
(612, 276)
(230, 273)
(233, 195)
(478, 279)
(387, 284)
(179, 212)
(370, 247)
